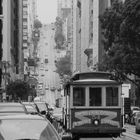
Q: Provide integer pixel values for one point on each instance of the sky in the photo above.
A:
(47, 11)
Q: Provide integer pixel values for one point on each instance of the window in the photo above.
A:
(111, 96)
(78, 96)
(25, 13)
(95, 96)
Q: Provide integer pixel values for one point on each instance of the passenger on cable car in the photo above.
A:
(78, 98)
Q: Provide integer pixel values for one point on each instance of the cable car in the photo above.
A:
(92, 105)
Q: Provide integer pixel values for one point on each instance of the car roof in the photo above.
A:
(30, 103)
(40, 102)
(22, 117)
(10, 104)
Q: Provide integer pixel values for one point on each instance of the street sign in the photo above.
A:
(125, 90)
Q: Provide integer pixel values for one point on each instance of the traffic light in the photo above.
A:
(36, 35)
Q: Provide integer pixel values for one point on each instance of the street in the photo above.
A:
(47, 74)
(128, 135)
(122, 138)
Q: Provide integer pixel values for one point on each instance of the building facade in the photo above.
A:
(63, 8)
(87, 48)
(29, 16)
(13, 39)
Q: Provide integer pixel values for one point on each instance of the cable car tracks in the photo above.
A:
(130, 132)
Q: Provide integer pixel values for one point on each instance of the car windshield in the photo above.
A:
(30, 108)
(41, 106)
(11, 109)
(27, 129)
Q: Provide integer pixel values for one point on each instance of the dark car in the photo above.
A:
(11, 108)
(27, 127)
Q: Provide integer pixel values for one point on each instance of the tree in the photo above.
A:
(64, 67)
(121, 32)
(59, 37)
(37, 24)
(18, 89)
(59, 40)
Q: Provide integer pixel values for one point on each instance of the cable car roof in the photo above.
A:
(91, 75)
(95, 82)
(93, 78)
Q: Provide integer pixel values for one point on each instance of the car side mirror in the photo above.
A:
(66, 137)
(43, 112)
(34, 113)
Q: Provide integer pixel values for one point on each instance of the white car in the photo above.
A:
(12, 108)
(27, 127)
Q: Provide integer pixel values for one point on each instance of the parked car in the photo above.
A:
(27, 127)
(11, 108)
(133, 118)
(134, 111)
(31, 107)
(137, 128)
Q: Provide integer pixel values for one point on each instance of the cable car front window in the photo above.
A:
(112, 96)
(78, 96)
(95, 97)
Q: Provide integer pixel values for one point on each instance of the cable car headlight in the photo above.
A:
(96, 122)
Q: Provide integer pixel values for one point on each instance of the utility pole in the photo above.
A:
(1, 43)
